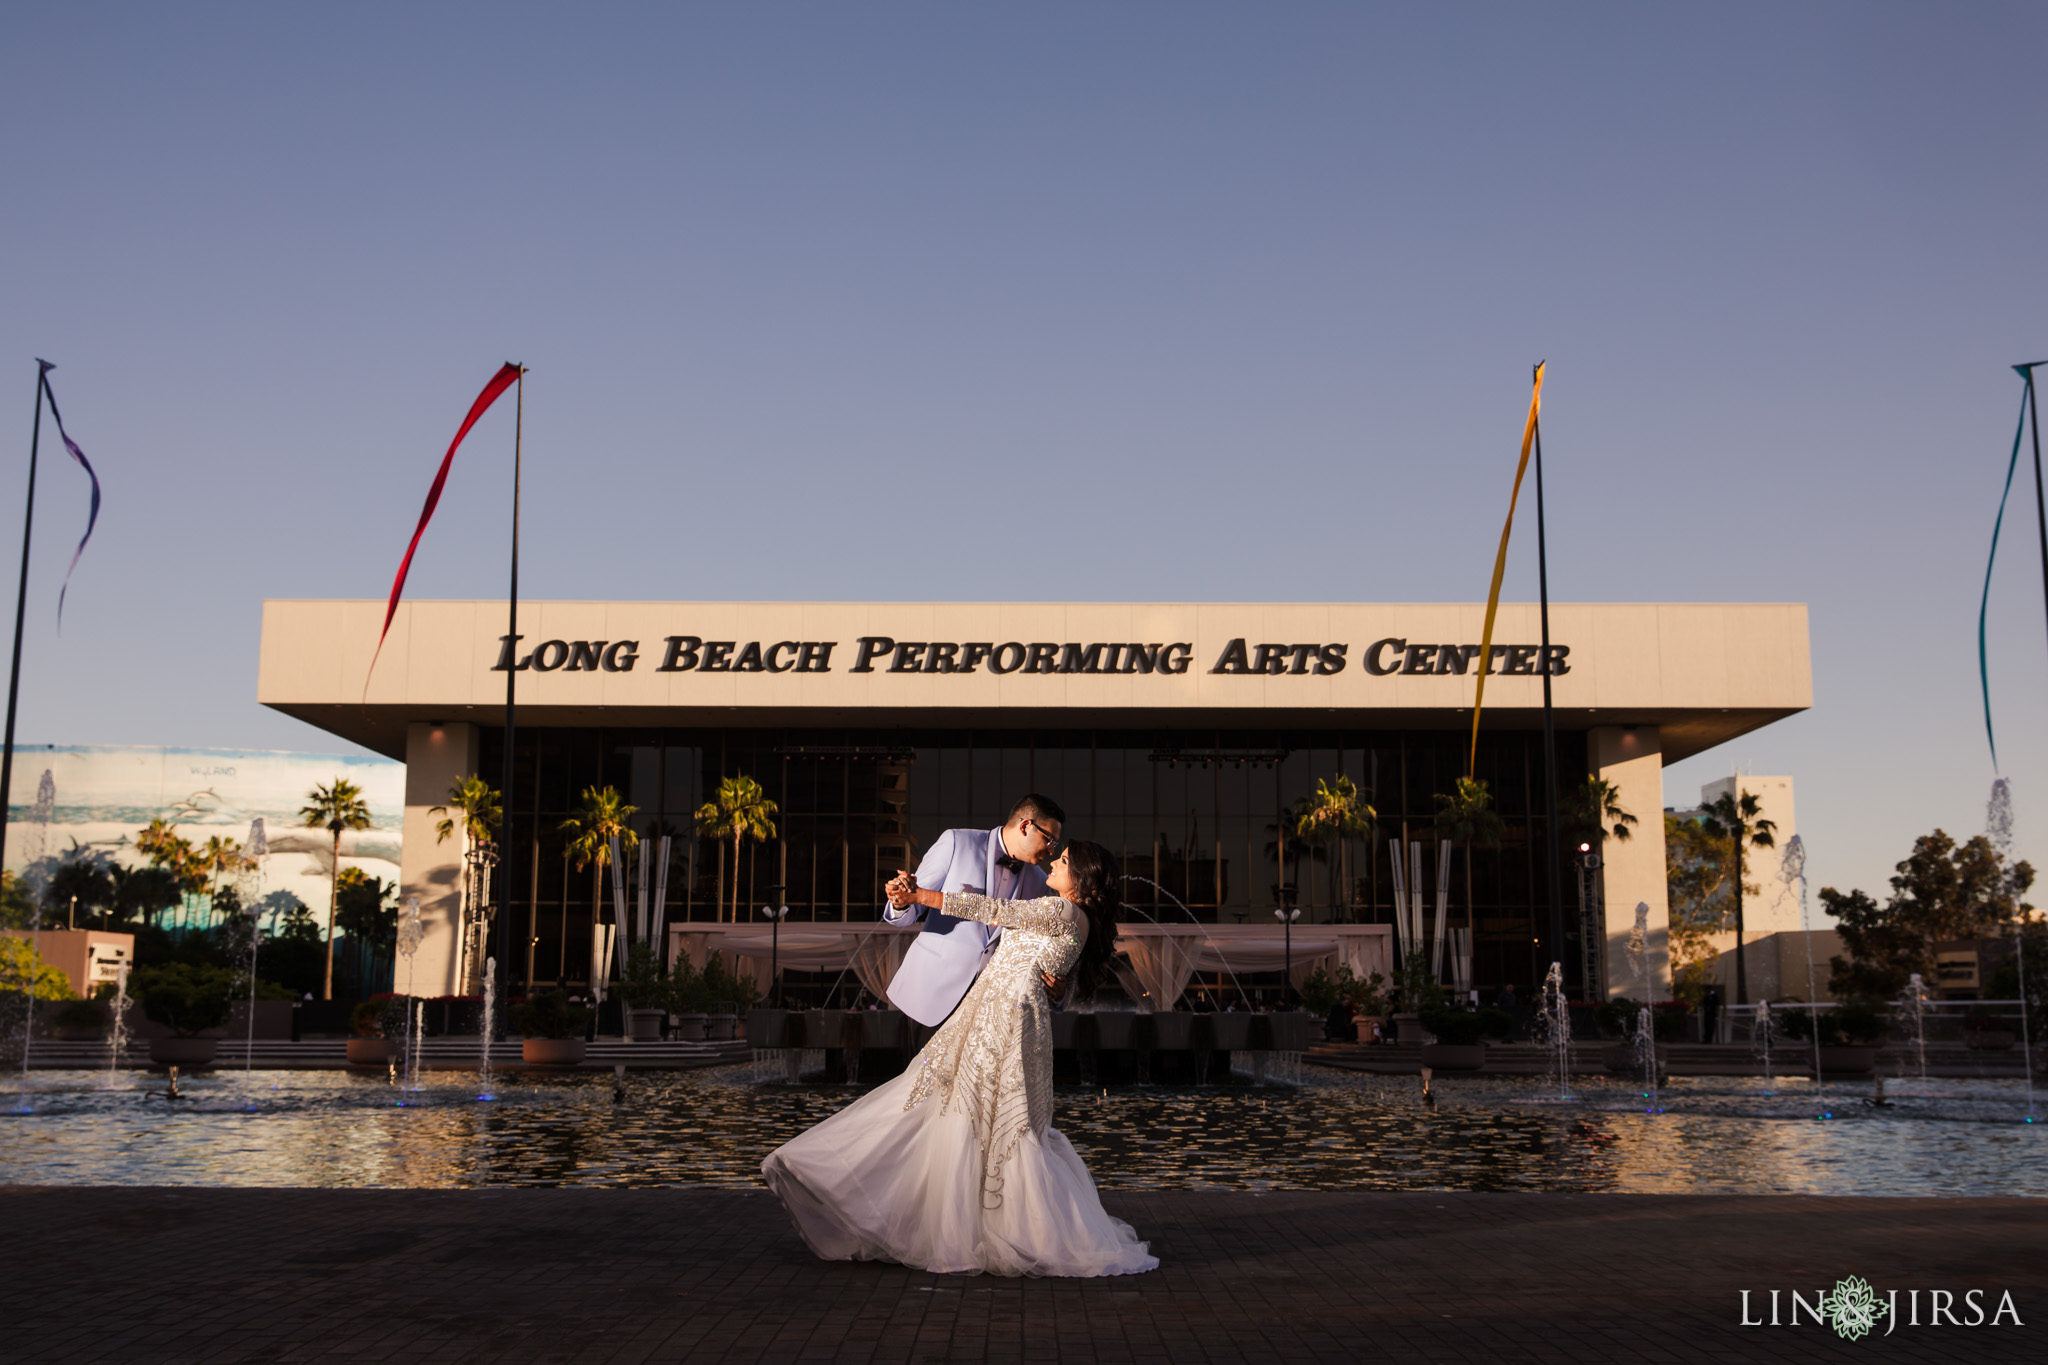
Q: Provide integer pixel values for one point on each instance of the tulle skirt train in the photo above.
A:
(876, 1182)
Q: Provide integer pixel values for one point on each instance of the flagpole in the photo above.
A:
(1549, 722)
(35, 443)
(509, 879)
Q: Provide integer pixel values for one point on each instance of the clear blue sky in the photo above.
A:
(1241, 300)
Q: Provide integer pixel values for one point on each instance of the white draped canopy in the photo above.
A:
(1163, 957)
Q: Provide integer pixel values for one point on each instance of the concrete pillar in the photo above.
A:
(1632, 870)
(436, 758)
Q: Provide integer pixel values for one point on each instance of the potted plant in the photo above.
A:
(1419, 993)
(725, 998)
(80, 1021)
(644, 994)
(1370, 999)
(552, 1026)
(685, 1002)
(378, 1025)
(187, 1000)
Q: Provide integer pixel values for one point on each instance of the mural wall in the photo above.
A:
(103, 794)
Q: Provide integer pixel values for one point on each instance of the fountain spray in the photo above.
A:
(253, 854)
(1555, 1016)
(1793, 869)
(490, 1023)
(1760, 1041)
(1916, 1008)
(1998, 823)
(1646, 1019)
(410, 932)
(117, 1037)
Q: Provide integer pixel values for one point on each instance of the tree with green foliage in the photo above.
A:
(17, 907)
(474, 805)
(1335, 817)
(366, 909)
(741, 811)
(1591, 813)
(602, 817)
(334, 808)
(1697, 867)
(143, 893)
(1740, 821)
(1943, 890)
(23, 971)
(1465, 816)
(83, 879)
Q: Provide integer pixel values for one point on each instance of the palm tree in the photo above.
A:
(475, 803)
(1593, 811)
(602, 817)
(221, 857)
(1336, 815)
(1739, 821)
(742, 810)
(336, 808)
(1465, 815)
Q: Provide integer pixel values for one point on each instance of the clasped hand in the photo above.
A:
(902, 890)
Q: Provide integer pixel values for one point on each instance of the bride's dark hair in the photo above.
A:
(1098, 891)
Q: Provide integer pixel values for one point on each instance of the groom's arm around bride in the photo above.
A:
(1006, 863)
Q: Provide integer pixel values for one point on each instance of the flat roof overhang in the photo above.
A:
(382, 729)
(1702, 673)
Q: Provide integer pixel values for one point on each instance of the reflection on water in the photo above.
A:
(1338, 1131)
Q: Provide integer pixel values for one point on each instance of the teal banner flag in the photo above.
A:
(1984, 607)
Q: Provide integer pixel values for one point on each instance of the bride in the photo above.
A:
(955, 1164)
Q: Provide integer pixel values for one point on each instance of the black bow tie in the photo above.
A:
(1009, 864)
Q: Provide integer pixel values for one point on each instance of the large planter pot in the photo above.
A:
(1223, 1032)
(1454, 1056)
(644, 1026)
(1172, 1030)
(766, 1029)
(1113, 1028)
(882, 1028)
(1847, 1061)
(721, 1028)
(825, 1028)
(1369, 1027)
(688, 1028)
(372, 1051)
(183, 1051)
(1408, 1029)
(553, 1051)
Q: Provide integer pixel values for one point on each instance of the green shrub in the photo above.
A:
(381, 1016)
(81, 1014)
(184, 998)
(551, 1015)
(1463, 1029)
(641, 986)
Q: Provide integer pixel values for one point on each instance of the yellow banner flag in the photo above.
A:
(1500, 565)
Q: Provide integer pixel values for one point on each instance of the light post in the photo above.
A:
(775, 918)
(71, 922)
(1287, 919)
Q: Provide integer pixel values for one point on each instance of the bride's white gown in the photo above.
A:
(955, 1165)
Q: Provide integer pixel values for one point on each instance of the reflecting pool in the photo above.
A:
(1338, 1130)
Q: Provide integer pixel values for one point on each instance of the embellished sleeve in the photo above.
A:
(1046, 915)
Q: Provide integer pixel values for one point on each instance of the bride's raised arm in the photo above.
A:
(1046, 915)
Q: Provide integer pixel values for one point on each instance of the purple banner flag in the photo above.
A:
(92, 517)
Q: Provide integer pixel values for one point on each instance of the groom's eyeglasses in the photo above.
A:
(1052, 841)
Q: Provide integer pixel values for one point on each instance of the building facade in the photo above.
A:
(1186, 738)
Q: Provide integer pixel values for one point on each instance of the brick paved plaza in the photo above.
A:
(589, 1276)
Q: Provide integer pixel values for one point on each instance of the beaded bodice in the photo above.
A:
(994, 1055)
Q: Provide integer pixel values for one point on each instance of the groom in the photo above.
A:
(1006, 863)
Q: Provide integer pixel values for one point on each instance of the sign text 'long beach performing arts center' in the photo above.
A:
(1176, 734)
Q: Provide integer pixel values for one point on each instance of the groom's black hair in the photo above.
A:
(1038, 807)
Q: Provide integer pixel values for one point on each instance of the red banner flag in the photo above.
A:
(504, 379)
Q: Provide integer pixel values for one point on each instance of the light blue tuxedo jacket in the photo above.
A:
(949, 953)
